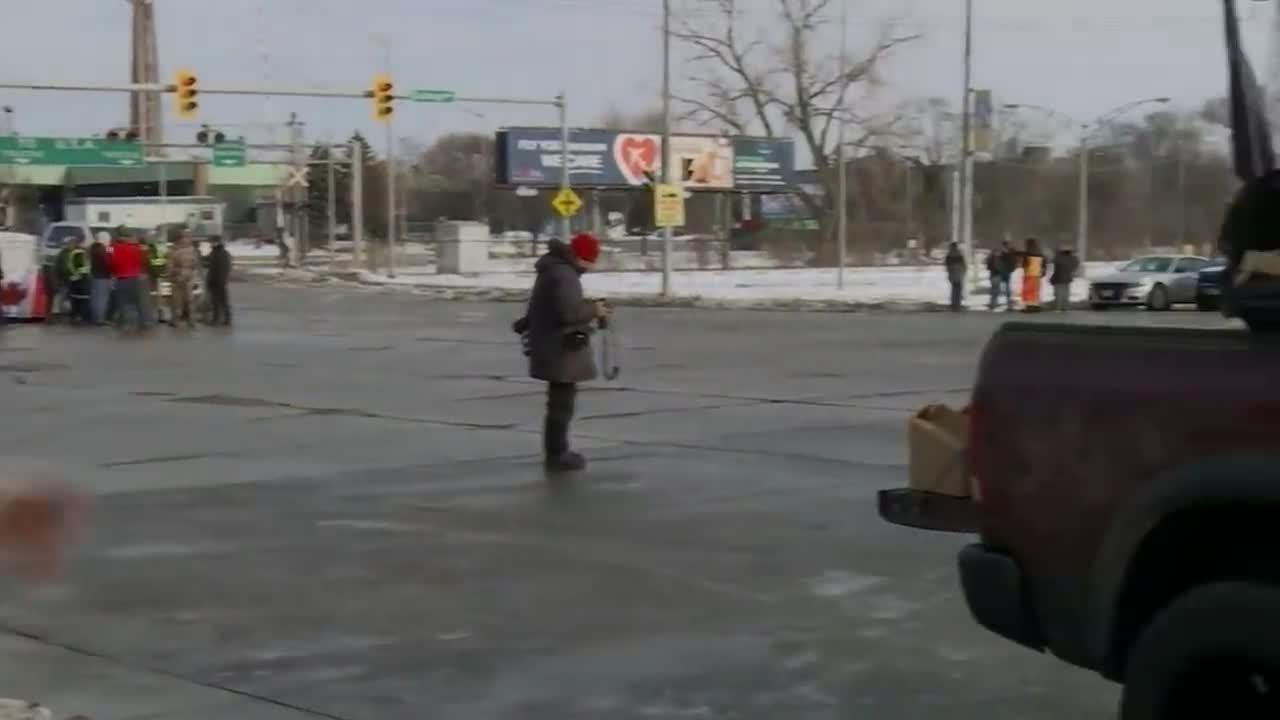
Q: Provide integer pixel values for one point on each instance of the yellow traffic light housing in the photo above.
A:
(381, 92)
(184, 93)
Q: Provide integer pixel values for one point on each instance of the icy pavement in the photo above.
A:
(336, 509)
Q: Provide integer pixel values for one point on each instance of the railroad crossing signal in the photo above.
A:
(184, 93)
(566, 202)
(381, 92)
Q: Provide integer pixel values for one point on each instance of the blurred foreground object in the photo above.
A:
(39, 519)
(23, 710)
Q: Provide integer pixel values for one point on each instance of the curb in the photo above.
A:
(509, 295)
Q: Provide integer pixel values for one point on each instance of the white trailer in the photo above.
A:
(202, 214)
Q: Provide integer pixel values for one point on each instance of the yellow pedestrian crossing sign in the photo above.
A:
(566, 202)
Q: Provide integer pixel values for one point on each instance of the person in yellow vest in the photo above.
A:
(1032, 275)
(77, 274)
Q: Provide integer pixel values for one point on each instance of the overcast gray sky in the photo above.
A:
(1081, 57)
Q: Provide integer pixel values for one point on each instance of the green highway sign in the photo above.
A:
(19, 150)
(433, 96)
(229, 154)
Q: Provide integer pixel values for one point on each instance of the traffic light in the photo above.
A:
(184, 93)
(380, 91)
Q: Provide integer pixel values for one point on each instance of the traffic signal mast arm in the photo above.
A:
(261, 91)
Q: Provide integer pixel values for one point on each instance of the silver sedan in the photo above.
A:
(1155, 281)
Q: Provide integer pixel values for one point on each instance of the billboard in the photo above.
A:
(612, 159)
(763, 165)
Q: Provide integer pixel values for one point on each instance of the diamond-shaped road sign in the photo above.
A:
(566, 202)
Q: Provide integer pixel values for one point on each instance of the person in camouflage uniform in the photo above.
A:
(182, 263)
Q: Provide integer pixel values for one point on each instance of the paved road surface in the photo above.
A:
(336, 511)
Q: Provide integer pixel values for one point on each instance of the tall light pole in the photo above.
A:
(1087, 130)
(966, 142)
(385, 42)
(842, 184)
(666, 139)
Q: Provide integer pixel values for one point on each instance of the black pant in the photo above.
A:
(219, 304)
(128, 297)
(78, 295)
(555, 429)
(957, 294)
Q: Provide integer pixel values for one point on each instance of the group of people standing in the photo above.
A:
(117, 279)
(1003, 262)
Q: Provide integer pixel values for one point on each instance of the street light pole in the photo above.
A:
(1082, 202)
(1086, 135)
(966, 142)
(842, 184)
(666, 139)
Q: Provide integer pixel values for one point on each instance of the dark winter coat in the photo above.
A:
(99, 262)
(956, 265)
(1065, 266)
(559, 321)
(1001, 264)
(219, 266)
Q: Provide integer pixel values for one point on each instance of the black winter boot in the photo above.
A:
(567, 461)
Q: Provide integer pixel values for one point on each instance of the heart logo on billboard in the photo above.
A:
(635, 155)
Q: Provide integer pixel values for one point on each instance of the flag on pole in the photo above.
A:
(1251, 148)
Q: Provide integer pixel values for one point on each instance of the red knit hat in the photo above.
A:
(585, 247)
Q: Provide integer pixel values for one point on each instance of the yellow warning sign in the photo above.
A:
(668, 205)
(566, 202)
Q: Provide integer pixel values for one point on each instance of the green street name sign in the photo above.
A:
(229, 154)
(18, 150)
(433, 96)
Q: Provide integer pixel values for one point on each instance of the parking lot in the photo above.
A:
(337, 510)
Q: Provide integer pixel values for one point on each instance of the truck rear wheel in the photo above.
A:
(1214, 647)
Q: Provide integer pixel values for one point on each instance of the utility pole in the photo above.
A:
(842, 184)
(391, 171)
(9, 127)
(966, 142)
(666, 139)
(357, 202)
(1182, 188)
(331, 211)
(562, 103)
(1082, 200)
(294, 192)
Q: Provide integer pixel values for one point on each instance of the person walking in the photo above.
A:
(558, 326)
(956, 269)
(1065, 267)
(99, 278)
(217, 275)
(128, 270)
(1000, 266)
(181, 270)
(1032, 275)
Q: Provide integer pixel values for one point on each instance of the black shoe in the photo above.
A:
(566, 462)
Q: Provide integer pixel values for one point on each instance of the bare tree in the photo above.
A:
(454, 177)
(929, 131)
(797, 85)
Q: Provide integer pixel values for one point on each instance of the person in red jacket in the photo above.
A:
(128, 265)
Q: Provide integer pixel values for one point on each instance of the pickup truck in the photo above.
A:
(1125, 491)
